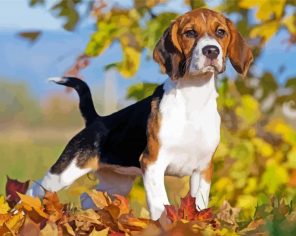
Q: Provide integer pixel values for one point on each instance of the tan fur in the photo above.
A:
(92, 163)
(208, 173)
(151, 152)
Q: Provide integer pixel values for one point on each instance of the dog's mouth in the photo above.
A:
(212, 64)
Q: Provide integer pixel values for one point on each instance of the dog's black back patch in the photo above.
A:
(127, 139)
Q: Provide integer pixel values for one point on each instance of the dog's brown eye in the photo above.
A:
(191, 34)
(220, 33)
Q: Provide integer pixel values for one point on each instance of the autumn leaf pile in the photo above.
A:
(25, 215)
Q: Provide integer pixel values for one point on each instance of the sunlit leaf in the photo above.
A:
(290, 23)
(265, 31)
(268, 178)
(266, 8)
(33, 207)
(140, 90)
(130, 63)
(4, 208)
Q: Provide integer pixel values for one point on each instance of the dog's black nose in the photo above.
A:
(211, 51)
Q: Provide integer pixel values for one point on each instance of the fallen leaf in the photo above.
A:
(103, 232)
(204, 215)
(4, 207)
(67, 229)
(227, 213)
(15, 222)
(128, 221)
(52, 206)
(100, 199)
(187, 210)
(122, 203)
(33, 208)
(12, 187)
(172, 213)
(3, 218)
(30, 228)
(49, 229)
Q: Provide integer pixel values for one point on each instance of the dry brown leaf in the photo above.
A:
(4, 218)
(100, 199)
(103, 232)
(67, 229)
(128, 221)
(49, 229)
(113, 210)
(88, 215)
(30, 228)
(122, 203)
(52, 206)
(228, 214)
(33, 208)
(15, 222)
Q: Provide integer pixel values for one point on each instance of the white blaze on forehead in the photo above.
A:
(198, 59)
(203, 17)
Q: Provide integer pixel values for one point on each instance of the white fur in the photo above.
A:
(189, 134)
(54, 182)
(57, 79)
(198, 59)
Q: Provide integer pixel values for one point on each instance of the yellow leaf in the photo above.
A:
(49, 229)
(274, 176)
(100, 199)
(103, 232)
(290, 23)
(262, 147)
(33, 207)
(248, 205)
(266, 8)
(265, 30)
(249, 109)
(4, 208)
(131, 61)
(278, 126)
(15, 222)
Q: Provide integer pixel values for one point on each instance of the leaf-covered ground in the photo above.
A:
(24, 215)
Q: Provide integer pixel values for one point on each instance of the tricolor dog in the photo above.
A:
(174, 132)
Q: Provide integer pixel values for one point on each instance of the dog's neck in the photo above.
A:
(198, 92)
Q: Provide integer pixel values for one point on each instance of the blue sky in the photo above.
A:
(56, 50)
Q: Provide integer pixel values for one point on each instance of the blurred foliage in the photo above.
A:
(16, 103)
(137, 26)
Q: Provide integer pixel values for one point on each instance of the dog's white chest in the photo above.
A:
(190, 126)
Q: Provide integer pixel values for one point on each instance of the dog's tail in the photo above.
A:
(86, 104)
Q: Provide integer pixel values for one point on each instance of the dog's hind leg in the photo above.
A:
(110, 182)
(54, 181)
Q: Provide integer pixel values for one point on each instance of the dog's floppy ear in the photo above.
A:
(168, 53)
(239, 52)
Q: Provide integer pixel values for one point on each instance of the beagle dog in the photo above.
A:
(175, 131)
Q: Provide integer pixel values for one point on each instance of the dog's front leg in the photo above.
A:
(153, 178)
(200, 184)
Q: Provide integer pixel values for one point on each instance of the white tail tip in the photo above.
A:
(57, 79)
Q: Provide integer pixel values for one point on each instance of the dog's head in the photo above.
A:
(199, 42)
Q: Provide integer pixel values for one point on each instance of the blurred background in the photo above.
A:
(109, 45)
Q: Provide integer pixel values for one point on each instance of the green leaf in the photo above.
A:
(274, 176)
(140, 90)
(31, 36)
(67, 9)
(36, 2)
